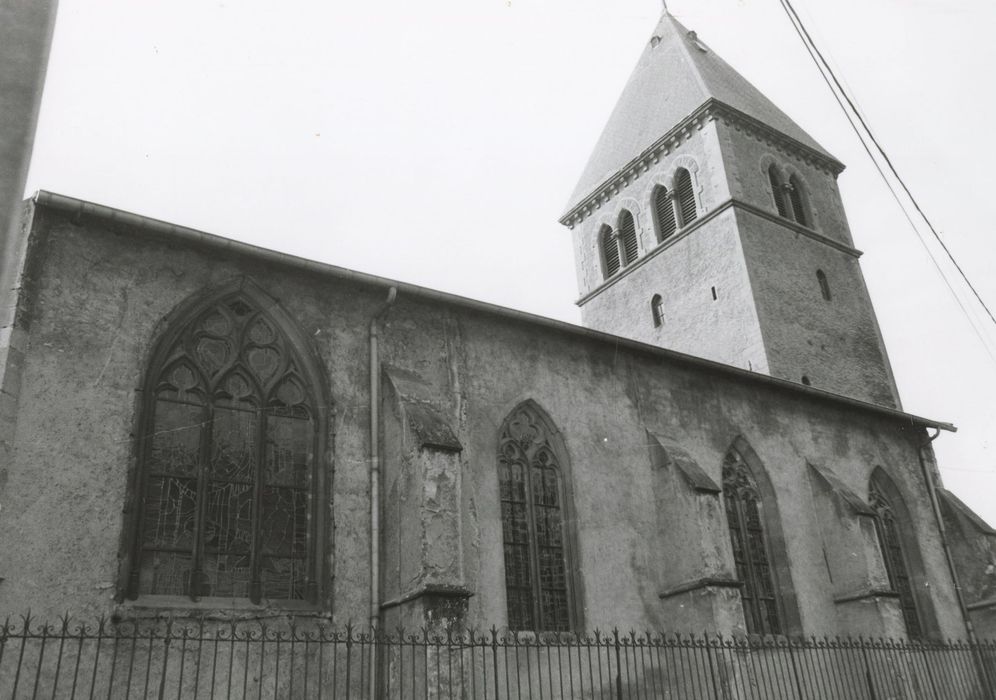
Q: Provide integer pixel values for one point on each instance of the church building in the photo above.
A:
(196, 426)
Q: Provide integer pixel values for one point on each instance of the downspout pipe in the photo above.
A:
(935, 505)
(375, 465)
(984, 674)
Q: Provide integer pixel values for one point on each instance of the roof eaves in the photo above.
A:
(162, 229)
(709, 110)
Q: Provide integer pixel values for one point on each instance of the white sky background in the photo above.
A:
(436, 142)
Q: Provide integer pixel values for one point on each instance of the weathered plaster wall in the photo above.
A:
(684, 271)
(835, 343)
(747, 160)
(699, 153)
(603, 398)
(96, 303)
(101, 293)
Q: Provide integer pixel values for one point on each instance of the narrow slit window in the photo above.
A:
(610, 251)
(627, 232)
(657, 310)
(664, 209)
(821, 278)
(686, 196)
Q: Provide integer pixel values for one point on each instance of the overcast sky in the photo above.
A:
(437, 142)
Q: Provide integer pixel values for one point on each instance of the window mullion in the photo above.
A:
(255, 547)
(752, 579)
(196, 569)
(533, 544)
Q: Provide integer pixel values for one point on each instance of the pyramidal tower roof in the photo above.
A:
(676, 75)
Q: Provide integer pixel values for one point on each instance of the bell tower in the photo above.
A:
(710, 223)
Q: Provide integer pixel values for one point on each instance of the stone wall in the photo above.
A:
(97, 303)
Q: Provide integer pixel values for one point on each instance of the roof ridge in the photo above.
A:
(674, 76)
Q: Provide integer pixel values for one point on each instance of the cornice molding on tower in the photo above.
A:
(711, 110)
(704, 219)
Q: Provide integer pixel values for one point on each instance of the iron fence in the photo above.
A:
(283, 659)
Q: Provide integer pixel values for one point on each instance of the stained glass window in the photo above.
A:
(227, 476)
(895, 560)
(532, 516)
(750, 552)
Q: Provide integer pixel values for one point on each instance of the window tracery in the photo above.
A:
(227, 466)
(887, 529)
(532, 496)
(742, 502)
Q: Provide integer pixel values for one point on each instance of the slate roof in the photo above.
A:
(676, 74)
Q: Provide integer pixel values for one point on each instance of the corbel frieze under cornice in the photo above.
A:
(711, 110)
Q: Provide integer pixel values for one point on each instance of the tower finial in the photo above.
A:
(664, 3)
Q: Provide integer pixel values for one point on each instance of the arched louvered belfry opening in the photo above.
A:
(609, 250)
(665, 222)
(627, 233)
(778, 191)
(901, 554)
(231, 439)
(657, 310)
(537, 534)
(685, 192)
(821, 279)
(758, 544)
(797, 197)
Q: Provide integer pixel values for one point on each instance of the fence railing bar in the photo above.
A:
(160, 657)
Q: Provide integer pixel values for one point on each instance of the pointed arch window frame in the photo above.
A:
(159, 360)
(572, 573)
(882, 482)
(773, 538)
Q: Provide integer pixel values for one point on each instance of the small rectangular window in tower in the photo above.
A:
(714, 296)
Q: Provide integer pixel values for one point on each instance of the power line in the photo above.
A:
(828, 75)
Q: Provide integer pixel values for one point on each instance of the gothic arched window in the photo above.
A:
(686, 196)
(227, 479)
(888, 527)
(535, 541)
(627, 232)
(797, 198)
(664, 210)
(657, 310)
(778, 191)
(610, 250)
(742, 501)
